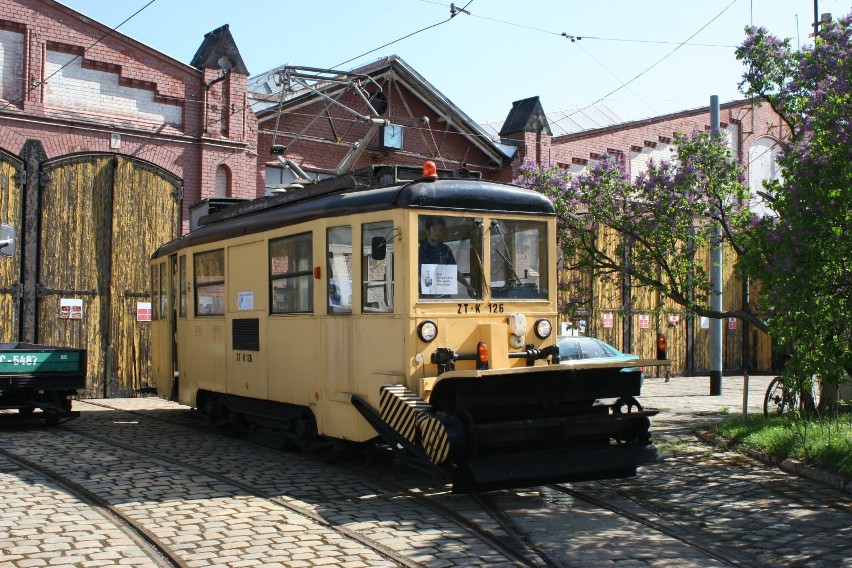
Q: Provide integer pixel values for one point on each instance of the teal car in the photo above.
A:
(574, 348)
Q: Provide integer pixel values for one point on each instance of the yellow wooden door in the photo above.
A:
(10, 268)
(102, 216)
(146, 214)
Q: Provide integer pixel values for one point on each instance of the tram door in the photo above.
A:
(176, 302)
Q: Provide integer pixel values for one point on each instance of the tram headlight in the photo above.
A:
(427, 331)
(543, 328)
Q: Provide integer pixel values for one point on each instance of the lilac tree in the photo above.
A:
(664, 219)
(802, 253)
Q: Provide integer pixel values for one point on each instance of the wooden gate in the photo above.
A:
(11, 172)
(101, 218)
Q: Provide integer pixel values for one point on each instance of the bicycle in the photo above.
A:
(778, 398)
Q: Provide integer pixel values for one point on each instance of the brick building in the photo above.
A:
(322, 124)
(104, 144)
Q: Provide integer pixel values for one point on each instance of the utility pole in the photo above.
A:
(816, 19)
(715, 280)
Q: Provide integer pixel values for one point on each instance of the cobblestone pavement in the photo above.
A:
(764, 514)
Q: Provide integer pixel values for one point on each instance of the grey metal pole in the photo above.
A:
(715, 281)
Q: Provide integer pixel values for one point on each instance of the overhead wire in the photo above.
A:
(453, 13)
(666, 56)
(582, 36)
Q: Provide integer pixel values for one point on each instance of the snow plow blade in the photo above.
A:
(543, 424)
(490, 473)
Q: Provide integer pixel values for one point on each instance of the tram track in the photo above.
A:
(498, 530)
(514, 555)
(278, 501)
(154, 548)
(653, 519)
(507, 539)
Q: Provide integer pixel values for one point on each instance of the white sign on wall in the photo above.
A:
(245, 300)
(71, 308)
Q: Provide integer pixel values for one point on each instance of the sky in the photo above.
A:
(641, 58)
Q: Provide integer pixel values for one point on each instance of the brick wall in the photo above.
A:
(86, 83)
(743, 124)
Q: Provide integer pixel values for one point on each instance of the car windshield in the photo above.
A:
(578, 347)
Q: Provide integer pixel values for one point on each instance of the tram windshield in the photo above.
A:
(518, 259)
(451, 258)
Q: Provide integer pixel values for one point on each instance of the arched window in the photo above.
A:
(223, 182)
(762, 166)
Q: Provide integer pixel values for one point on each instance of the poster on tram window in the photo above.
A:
(71, 308)
(439, 279)
(143, 311)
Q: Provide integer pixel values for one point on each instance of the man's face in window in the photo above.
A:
(435, 234)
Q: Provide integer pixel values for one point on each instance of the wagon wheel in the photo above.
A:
(626, 405)
(635, 429)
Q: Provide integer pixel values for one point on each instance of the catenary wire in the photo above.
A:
(581, 36)
(453, 14)
(666, 56)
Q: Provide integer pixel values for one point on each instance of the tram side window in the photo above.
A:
(339, 270)
(377, 267)
(182, 285)
(164, 295)
(291, 274)
(519, 259)
(209, 283)
(155, 292)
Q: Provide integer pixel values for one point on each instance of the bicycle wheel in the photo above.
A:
(778, 398)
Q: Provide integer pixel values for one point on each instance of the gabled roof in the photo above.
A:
(265, 103)
(218, 44)
(526, 116)
(567, 120)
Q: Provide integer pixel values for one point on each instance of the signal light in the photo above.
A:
(662, 346)
(481, 355)
(430, 170)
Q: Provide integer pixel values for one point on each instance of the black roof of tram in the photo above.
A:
(265, 214)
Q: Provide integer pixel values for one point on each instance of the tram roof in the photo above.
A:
(340, 197)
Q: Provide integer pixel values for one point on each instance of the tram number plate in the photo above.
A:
(243, 357)
(478, 309)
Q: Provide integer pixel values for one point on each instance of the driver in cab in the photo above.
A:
(433, 250)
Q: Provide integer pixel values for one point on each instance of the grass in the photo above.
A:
(825, 443)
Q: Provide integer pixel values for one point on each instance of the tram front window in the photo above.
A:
(450, 257)
(518, 259)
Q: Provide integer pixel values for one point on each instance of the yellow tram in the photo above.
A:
(399, 307)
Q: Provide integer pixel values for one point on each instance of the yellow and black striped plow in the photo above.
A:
(401, 409)
(434, 438)
(407, 423)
